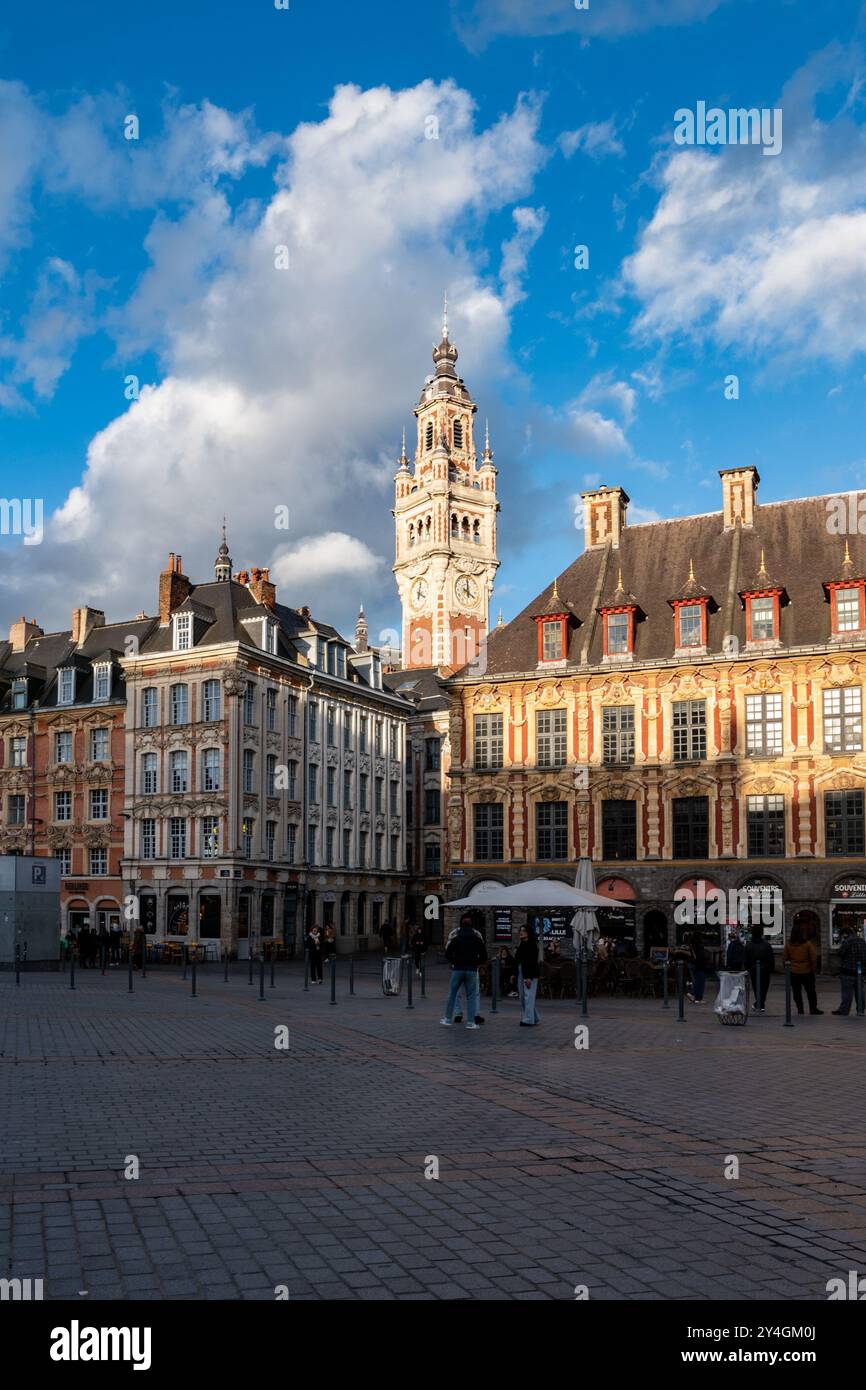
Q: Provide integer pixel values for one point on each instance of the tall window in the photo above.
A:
(247, 828)
(617, 733)
(311, 844)
(551, 641)
(250, 703)
(63, 747)
(378, 737)
(362, 726)
(66, 687)
(99, 803)
(347, 848)
(432, 858)
(65, 858)
(362, 849)
(210, 766)
(377, 850)
(179, 771)
(18, 752)
(619, 829)
(763, 613)
(363, 783)
(147, 839)
(179, 704)
(291, 841)
(98, 863)
(393, 745)
(689, 730)
(271, 775)
(432, 754)
(843, 822)
(843, 720)
(271, 708)
(293, 716)
(16, 809)
(331, 726)
(488, 830)
(270, 837)
(347, 790)
(765, 818)
(395, 851)
(378, 788)
(313, 721)
(690, 625)
(347, 729)
(551, 737)
(182, 632)
(249, 767)
(329, 845)
(763, 725)
(102, 681)
(99, 745)
(617, 633)
(19, 694)
(210, 837)
(211, 701)
(848, 610)
(551, 830)
(488, 739)
(149, 784)
(292, 778)
(331, 786)
(394, 808)
(63, 805)
(150, 707)
(432, 806)
(177, 838)
(313, 782)
(691, 827)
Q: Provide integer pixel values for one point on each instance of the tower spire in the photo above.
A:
(222, 569)
(445, 319)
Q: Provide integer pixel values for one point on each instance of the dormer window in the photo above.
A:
(763, 603)
(552, 624)
(341, 662)
(762, 613)
(617, 634)
(691, 626)
(102, 681)
(182, 632)
(19, 694)
(269, 642)
(66, 686)
(551, 645)
(848, 609)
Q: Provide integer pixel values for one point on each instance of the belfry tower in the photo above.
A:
(445, 519)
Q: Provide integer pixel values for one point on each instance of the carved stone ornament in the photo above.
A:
(333, 757)
(294, 748)
(234, 681)
(349, 761)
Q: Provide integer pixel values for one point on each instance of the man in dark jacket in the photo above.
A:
(759, 952)
(736, 953)
(852, 952)
(465, 952)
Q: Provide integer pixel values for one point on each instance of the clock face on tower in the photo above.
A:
(419, 592)
(466, 590)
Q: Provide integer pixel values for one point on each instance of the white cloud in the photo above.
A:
(596, 139)
(62, 311)
(289, 387)
(480, 21)
(768, 255)
(529, 224)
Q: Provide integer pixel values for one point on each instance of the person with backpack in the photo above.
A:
(735, 957)
(759, 952)
(852, 951)
(528, 970)
(465, 952)
(803, 958)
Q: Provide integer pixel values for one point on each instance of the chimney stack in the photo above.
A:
(21, 632)
(604, 510)
(261, 588)
(173, 588)
(84, 620)
(739, 496)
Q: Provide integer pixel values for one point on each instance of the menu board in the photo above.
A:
(502, 924)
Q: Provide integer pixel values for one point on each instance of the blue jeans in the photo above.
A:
(461, 979)
(527, 990)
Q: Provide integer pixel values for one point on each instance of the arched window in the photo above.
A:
(454, 528)
(465, 529)
(411, 534)
(428, 438)
(429, 524)
(476, 532)
(458, 434)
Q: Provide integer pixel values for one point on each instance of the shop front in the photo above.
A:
(618, 921)
(760, 903)
(847, 907)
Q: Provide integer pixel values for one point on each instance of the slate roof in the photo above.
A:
(424, 688)
(55, 649)
(800, 554)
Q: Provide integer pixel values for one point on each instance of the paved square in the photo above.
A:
(305, 1167)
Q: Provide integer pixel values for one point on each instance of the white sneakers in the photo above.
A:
(446, 1023)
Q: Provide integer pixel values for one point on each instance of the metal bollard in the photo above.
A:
(334, 978)
(352, 974)
(129, 968)
(681, 992)
(250, 979)
(18, 965)
(494, 985)
(273, 981)
(788, 1022)
(226, 968)
(261, 974)
(71, 969)
(194, 959)
(409, 1004)
(584, 1007)
(185, 952)
(306, 970)
(665, 1002)
(758, 985)
(859, 988)
(144, 960)
(423, 977)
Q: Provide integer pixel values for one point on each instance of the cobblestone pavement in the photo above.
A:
(305, 1167)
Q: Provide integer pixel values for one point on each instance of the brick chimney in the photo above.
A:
(604, 512)
(173, 588)
(739, 496)
(261, 588)
(84, 620)
(21, 632)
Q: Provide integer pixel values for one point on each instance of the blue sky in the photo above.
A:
(306, 128)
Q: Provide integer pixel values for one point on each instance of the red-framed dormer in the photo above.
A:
(691, 610)
(619, 618)
(847, 599)
(763, 602)
(553, 624)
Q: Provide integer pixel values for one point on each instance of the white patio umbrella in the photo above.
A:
(533, 892)
(584, 923)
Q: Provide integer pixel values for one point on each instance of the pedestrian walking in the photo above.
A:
(851, 951)
(405, 937)
(526, 957)
(419, 948)
(116, 943)
(735, 956)
(138, 946)
(314, 947)
(759, 952)
(329, 941)
(104, 948)
(386, 931)
(465, 952)
(698, 963)
(804, 958)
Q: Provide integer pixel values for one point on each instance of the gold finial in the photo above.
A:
(445, 318)
(619, 579)
(847, 559)
(555, 590)
(499, 622)
(487, 436)
(762, 569)
(691, 571)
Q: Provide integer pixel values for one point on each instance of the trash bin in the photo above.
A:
(732, 1004)
(392, 974)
